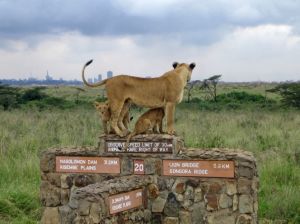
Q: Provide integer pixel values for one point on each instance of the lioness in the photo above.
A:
(150, 122)
(165, 91)
(105, 115)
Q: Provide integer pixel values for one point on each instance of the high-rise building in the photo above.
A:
(109, 74)
(99, 78)
(48, 77)
(90, 80)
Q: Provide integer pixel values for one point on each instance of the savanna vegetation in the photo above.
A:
(245, 116)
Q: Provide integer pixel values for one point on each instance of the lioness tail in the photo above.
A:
(91, 84)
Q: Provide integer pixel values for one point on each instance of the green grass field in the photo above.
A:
(273, 136)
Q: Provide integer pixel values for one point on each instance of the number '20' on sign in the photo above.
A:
(138, 167)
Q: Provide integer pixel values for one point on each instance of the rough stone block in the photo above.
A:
(172, 206)
(221, 219)
(158, 204)
(225, 201)
(179, 186)
(212, 202)
(49, 194)
(245, 204)
(66, 181)
(231, 187)
(64, 196)
(244, 186)
(153, 191)
(198, 213)
(50, 216)
(185, 217)
(244, 219)
(198, 195)
(171, 220)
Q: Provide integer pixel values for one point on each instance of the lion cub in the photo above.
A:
(105, 115)
(149, 122)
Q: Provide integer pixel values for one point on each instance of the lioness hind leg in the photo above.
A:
(115, 113)
(170, 109)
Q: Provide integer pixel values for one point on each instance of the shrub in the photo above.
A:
(241, 97)
(9, 97)
(290, 93)
(33, 94)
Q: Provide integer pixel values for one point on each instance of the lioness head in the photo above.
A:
(189, 68)
(103, 109)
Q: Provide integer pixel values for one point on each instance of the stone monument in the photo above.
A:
(156, 180)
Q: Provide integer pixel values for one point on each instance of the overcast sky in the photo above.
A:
(251, 40)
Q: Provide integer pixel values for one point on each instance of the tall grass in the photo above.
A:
(272, 136)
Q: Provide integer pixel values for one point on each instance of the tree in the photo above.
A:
(210, 85)
(78, 91)
(190, 86)
(290, 93)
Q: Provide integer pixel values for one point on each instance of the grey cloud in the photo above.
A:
(199, 22)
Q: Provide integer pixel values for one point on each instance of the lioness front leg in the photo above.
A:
(123, 119)
(170, 109)
(161, 127)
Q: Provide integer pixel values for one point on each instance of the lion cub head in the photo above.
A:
(103, 109)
